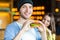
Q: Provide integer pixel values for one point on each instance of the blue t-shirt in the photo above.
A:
(13, 29)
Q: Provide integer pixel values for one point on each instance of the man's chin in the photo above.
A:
(26, 17)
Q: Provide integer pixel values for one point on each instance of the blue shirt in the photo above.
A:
(13, 29)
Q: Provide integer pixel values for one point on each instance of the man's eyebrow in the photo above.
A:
(23, 5)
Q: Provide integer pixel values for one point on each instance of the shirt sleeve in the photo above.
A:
(38, 35)
(9, 33)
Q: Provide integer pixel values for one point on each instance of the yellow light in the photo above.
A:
(36, 20)
(32, 17)
(34, 8)
(39, 8)
(43, 7)
(37, 13)
(40, 17)
(6, 19)
(4, 13)
(4, 4)
(42, 12)
(16, 17)
(14, 9)
(17, 13)
(34, 13)
(56, 10)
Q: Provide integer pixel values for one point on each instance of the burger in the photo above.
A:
(35, 24)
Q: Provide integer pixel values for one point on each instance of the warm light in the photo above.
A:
(41, 17)
(39, 8)
(37, 13)
(16, 17)
(17, 13)
(32, 17)
(2, 4)
(14, 9)
(56, 10)
(34, 8)
(38, 17)
(42, 12)
(5, 17)
(43, 7)
(4, 13)
(36, 20)
(34, 13)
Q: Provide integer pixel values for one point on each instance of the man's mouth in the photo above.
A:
(26, 14)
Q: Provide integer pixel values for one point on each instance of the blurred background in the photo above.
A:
(9, 13)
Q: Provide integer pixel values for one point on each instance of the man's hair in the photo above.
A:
(21, 2)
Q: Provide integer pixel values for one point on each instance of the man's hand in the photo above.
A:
(26, 25)
(41, 28)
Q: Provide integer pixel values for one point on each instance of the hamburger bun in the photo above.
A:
(35, 24)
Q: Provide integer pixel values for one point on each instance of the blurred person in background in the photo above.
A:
(49, 23)
(20, 29)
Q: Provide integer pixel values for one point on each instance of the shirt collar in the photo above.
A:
(20, 25)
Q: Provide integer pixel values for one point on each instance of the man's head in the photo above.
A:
(25, 7)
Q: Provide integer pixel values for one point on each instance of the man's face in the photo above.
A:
(26, 10)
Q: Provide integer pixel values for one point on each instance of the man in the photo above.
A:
(20, 30)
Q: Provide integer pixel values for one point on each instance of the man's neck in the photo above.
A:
(22, 20)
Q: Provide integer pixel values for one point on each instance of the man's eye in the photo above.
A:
(23, 7)
(30, 6)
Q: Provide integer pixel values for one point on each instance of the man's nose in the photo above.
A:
(27, 9)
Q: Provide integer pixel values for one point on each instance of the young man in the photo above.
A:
(20, 30)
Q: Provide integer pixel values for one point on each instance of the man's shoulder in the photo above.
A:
(12, 25)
